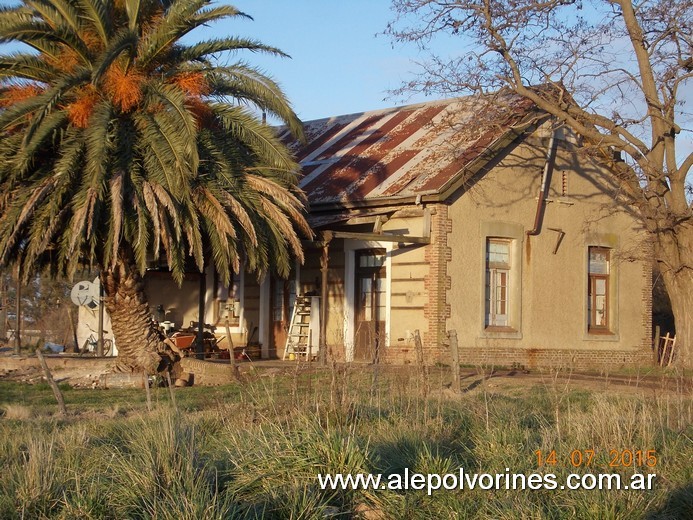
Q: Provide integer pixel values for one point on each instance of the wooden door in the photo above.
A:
(369, 322)
(283, 296)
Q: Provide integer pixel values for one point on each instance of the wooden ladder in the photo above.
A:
(298, 336)
(666, 350)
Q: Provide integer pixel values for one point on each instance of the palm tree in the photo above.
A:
(120, 144)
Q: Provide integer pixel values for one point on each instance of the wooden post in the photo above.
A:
(418, 346)
(324, 294)
(373, 329)
(170, 390)
(454, 350)
(147, 391)
(655, 345)
(421, 361)
(56, 391)
(99, 340)
(232, 358)
(3, 307)
(74, 329)
(200, 341)
(18, 313)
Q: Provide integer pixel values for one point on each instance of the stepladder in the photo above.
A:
(298, 338)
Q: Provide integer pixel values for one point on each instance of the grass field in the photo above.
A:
(254, 451)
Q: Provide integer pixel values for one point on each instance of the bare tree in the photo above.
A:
(614, 71)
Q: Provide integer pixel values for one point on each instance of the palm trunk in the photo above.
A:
(140, 345)
(675, 257)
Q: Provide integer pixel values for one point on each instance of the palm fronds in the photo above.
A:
(118, 138)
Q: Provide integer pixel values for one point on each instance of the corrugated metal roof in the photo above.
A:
(404, 151)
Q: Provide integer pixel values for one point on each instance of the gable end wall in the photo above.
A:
(552, 329)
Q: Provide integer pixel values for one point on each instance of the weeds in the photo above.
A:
(256, 453)
(18, 412)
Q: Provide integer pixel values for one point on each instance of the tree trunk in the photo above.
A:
(140, 345)
(675, 255)
(3, 307)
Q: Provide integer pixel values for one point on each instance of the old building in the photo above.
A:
(475, 215)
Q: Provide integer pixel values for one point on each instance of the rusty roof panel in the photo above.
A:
(404, 151)
(320, 140)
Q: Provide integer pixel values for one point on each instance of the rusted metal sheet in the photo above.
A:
(404, 151)
(318, 221)
(321, 220)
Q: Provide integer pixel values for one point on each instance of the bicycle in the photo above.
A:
(91, 343)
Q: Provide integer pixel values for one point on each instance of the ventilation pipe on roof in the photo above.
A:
(545, 184)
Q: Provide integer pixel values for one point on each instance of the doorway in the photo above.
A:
(370, 308)
(282, 299)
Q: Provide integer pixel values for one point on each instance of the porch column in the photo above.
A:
(324, 293)
(99, 340)
(200, 341)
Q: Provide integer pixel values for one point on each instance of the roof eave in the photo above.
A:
(364, 203)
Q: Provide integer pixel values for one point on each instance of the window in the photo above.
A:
(498, 267)
(500, 280)
(598, 289)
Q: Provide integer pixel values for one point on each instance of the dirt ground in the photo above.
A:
(81, 372)
(510, 381)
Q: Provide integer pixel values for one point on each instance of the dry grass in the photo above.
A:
(16, 412)
(256, 453)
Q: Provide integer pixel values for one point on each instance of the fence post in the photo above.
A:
(420, 360)
(170, 390)
(145, 382)
(232, 357)
(56, 391)
(454, 350)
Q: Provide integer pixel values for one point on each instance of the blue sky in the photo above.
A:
(338, 65)
(341, 62)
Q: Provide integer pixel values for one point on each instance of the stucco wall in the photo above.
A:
(551, 288)
(441, 286)
(180, 303)
(88, 325)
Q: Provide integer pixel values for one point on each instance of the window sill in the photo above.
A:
(601, 335)
(501, 333)
(600, 332)
(496, 328)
